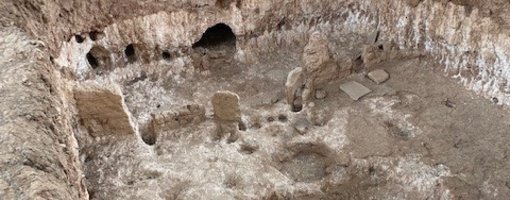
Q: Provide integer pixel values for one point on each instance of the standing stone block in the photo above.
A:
(102, 109)
(319, 66)
(226, 106)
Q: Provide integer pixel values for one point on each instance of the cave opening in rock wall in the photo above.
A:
(130, 53)
(99, 58)
(217, 36)
(92, 61)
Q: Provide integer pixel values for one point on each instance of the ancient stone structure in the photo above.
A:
(118, 99)
(226, 106)
(102, 109)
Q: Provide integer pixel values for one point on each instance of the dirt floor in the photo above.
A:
(416, 136)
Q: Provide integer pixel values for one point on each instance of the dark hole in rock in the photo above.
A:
(166, 55)
(130, 53)
(248, 149)
(96, 35)
(495, 100)
(99, 57)
(92, 193)
(381, 47)
(282, 118)
(149, 137)
(297, 106)
(217, 35)
(358, 64)
(242, 126)
(371, 170)
(79, 38)
(92, 61)
(270, 119)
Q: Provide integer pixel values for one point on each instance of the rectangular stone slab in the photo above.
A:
(355, 90)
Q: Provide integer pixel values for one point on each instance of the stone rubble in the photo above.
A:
(167, 120)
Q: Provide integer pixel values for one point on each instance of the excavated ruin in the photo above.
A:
(254, 99)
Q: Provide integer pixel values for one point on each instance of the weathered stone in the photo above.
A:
(102, 109)
(297, 105)
(378, 76)
(319, 67)
(193, 113)
(373, 37)
(320, 94)
(302, 126)
(295, 81)
(226, 106)
(413, 3)
(371, 55)
(355, 90)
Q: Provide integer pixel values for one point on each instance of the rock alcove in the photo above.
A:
(254, 99)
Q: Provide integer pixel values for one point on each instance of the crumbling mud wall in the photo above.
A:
(63, 41)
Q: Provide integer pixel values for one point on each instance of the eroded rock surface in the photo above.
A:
(102, 109)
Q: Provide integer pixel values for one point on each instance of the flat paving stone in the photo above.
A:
(379, 76)
(355, 90)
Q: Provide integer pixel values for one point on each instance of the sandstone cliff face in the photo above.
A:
(74, 41)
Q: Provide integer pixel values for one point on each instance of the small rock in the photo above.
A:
(226, 106)
(320, 94)
(297, 105)
(249, 146)
(448, 103)
(355, 90)
(378, 76)
(302, 126)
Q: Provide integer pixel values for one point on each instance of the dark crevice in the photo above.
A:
(79, 38)
(242, 126)
(130, 53)
(149, 137)
(96, 35)
(92, 61)
(282, 118)
(166, 55)
(99, 57)
(297, 105)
